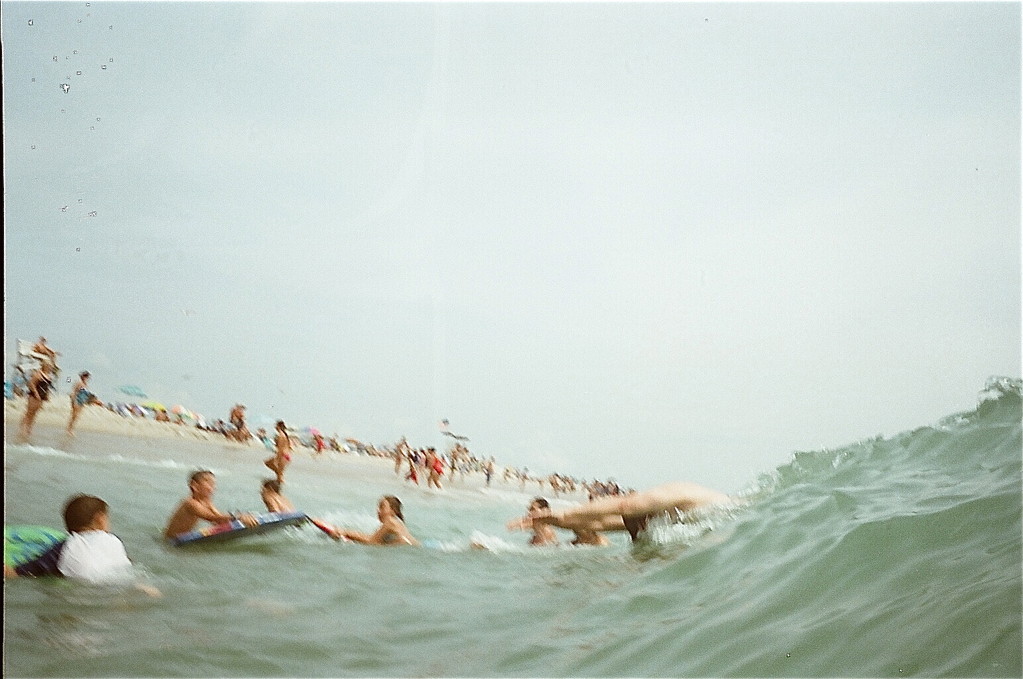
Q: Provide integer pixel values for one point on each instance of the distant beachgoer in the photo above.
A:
(434, 467)
(80, 397)
(41, 347)
(237, 419)
(400, 455)
(90, 552)
(265, 438)
(542, 534)
(489, 470)
(629, 512)
(40, 384)
(199, 505)
(412, 474)
(392, 530)
(282, 452)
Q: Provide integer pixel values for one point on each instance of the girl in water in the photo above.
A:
(392, 530)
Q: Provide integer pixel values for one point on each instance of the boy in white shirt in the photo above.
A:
(90, 552)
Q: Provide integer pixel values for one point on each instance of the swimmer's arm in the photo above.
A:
(356, 536)
(380, 536)
(148, 589)
(213, 515)
(569, 520)
(206, 513)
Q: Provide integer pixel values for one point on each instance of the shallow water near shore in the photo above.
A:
(895, 557)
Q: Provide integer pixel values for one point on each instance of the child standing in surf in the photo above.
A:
(282, 452)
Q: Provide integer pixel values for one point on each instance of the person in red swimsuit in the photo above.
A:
(282, 452)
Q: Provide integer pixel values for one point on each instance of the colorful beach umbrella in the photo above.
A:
(153, 405)
(131, 390)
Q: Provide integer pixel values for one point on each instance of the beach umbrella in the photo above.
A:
(131, 390)
(182, 411)
(153, 405)
(263, 420)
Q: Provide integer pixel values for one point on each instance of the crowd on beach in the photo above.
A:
(417, 465)
(609, 507)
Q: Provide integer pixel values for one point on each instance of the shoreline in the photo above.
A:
(54, 415)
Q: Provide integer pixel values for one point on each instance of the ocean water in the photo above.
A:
(886, 558)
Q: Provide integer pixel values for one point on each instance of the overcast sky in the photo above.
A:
(646, 241)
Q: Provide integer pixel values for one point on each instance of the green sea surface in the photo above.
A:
(887, 558)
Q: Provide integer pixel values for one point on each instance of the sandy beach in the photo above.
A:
(57, 410)
(53, 418)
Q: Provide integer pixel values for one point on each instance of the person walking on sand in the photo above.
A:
(282, 452)
(400, 455)
(199, 505)
(40, 384)
(80, 397)
(237, 419)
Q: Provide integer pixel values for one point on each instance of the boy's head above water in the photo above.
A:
(85, 512)
(202, 482)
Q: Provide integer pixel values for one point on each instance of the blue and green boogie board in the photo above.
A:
(25, 543)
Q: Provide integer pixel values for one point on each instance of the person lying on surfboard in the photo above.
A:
(199, 505)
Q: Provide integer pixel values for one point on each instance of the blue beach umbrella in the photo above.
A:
(131, 390)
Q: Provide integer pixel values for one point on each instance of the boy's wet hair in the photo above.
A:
(198, 474)
(80, 511)
(541, 502)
